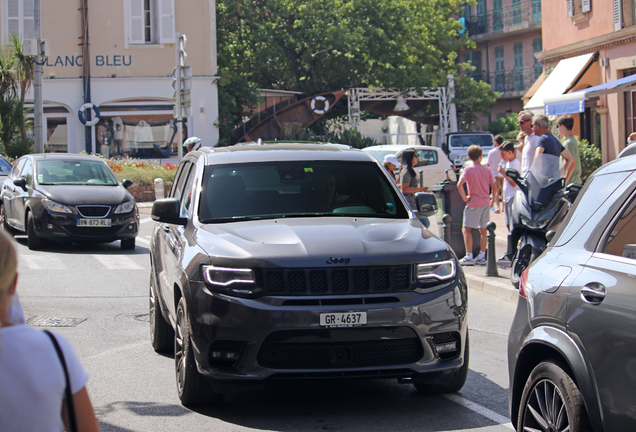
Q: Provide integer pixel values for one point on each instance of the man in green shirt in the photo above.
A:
(565, 125)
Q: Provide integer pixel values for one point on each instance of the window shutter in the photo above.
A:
(166, 21)
(585, 4)
(570, 8)
(28, 20)
(136, 22)
(13, 16)
(618, 17)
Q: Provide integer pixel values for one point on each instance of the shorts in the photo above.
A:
(508, 211)
(476, 217)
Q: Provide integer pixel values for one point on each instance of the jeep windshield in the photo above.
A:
(468, 140)
(297, 189)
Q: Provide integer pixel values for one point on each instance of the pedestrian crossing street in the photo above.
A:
(86, 262)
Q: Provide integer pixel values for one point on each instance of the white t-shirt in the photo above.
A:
(32, 380)
(494, 157)
(509, 190)
(529, 148)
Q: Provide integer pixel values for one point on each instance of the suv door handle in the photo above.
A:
(593, 293)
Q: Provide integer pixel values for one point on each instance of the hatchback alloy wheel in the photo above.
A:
(551, 402)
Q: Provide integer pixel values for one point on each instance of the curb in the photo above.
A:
(499, 287)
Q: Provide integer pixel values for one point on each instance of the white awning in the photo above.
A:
(571, 103)
(562, 77)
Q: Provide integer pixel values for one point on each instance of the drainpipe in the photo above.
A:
(86, 75)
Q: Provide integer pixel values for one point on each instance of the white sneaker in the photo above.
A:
(480, 260)
(467, 261)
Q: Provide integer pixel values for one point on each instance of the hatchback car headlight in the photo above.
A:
(227, 276)
(440, 270)
(56, 207)
(126, 207)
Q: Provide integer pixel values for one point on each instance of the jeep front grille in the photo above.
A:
(345, 280)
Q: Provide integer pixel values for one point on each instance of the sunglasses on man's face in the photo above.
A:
(522, 121)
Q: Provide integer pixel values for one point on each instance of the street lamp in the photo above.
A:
(401, 105)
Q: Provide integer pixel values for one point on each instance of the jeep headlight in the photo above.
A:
(56, 207)
(439, 270)
(222, 276)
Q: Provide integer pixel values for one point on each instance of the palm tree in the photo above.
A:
(24, 68)
(8, 90)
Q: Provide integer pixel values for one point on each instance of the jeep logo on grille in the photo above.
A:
(333, 260)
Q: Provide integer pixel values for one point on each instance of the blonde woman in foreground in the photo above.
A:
(32, 378)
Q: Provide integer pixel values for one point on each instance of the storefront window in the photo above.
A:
(56, 135)
(630, 106)
(137, 136)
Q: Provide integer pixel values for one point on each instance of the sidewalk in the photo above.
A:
(497, 285)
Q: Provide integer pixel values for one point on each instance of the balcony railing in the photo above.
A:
(505, 19)
(509, 81)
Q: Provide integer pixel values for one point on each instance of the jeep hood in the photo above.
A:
(311, 242)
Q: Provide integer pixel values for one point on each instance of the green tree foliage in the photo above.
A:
(591, 159)
(505, 124)
(471, 98)
(15, 79)
(24, 73)
(316, 46)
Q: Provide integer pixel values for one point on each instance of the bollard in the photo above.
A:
(446, 219)
(159, 188)
(491, 264)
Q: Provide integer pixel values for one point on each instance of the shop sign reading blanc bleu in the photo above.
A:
(100, 60)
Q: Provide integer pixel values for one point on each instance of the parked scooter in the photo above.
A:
(538, 207)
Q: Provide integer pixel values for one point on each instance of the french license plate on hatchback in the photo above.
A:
(93, 222)
(346, 319)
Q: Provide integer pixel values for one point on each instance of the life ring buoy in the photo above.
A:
(95, 118)
(318, 110)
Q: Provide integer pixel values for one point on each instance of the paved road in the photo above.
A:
(101, 294)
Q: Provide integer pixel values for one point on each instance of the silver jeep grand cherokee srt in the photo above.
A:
(301, 261)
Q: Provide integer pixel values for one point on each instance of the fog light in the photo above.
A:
(131, 227)
(50, 226)
(446, 347)
(225, 355)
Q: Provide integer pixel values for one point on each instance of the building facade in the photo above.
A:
(589, 53)
(507, 34)
(126, 71)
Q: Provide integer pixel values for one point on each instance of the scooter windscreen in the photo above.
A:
(544, 179)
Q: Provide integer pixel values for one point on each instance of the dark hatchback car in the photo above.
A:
(68, 198)
(572, 344)
(301, 261)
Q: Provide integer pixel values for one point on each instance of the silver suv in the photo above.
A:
(301, 261)
(571, 348)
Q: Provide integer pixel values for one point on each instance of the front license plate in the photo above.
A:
(347, 319)
(93, 222)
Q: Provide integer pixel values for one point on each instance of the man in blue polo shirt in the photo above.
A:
(549, 144)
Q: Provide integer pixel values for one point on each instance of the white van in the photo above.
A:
(456, 146)
(433, 164)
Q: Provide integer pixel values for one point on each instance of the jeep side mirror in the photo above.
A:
(426, 203)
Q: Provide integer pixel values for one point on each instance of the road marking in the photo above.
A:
(117, 262)
(144, 240)
(144, 220)
(43, 262)
(483, 411)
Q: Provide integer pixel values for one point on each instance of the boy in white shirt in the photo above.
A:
(510, 188)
